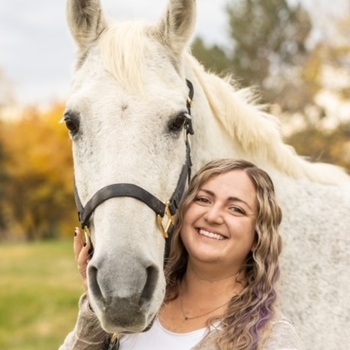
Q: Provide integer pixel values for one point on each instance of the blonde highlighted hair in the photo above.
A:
(248, 317)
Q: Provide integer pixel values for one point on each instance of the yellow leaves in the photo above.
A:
(39, 195)
(330, 146)
(37, 144)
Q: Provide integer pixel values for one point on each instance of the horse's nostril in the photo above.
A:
(143, 299)
(148, 290)
(124, 303)
(93, 283)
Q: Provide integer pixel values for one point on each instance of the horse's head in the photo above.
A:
(127, 117)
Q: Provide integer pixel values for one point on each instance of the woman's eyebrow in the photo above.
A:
(229, 199)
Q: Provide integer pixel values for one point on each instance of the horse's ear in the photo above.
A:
(86, 21)
(177, 26)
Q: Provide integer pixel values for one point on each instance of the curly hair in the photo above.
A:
(247, 320)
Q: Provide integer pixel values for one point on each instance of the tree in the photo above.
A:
(269, 50)
(327, 136)
(330, 146)
(3, 183)
(40, 194)
(213, 58)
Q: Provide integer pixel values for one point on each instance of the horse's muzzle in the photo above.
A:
(125, 305)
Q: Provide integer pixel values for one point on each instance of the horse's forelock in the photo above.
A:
(123, 49)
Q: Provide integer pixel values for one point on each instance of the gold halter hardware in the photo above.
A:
(165, 229)
(87, 235)
(189, 100)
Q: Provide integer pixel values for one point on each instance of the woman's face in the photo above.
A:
(219, 225)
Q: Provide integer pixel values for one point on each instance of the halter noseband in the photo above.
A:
(168, 208)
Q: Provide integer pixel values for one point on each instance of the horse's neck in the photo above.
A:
(228, 124)
(210, 139)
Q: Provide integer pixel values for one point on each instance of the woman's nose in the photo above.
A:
(214, 215)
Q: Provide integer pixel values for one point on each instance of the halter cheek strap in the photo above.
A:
(161, 209)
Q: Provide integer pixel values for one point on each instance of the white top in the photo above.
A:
(88, 335)
(159, 338)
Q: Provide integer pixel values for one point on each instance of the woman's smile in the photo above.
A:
(212, 235)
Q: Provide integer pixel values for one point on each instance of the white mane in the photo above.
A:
(124, 49)
(257, 131)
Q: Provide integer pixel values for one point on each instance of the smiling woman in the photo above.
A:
(219, 223)
(221, 274)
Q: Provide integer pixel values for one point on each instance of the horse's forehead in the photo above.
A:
(100, 95)
(95, 91)
(134, 56)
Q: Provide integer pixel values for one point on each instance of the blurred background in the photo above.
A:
(295, 53)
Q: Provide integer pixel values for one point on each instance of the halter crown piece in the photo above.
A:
(161, 209)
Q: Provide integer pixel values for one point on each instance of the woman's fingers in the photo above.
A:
(82, 252)
(78, 242)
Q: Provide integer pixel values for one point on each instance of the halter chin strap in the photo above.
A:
(161, 209)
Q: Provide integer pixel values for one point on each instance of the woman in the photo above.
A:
(221, 274)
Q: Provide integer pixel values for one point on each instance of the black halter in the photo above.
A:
(168, 208)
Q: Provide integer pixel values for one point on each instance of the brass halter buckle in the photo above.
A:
(165, 229)
(87, 235)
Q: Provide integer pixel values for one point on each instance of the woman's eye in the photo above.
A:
(202, 200)
(237, 210)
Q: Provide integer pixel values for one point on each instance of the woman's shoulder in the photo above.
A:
(283, 336)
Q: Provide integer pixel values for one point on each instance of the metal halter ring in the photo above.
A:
(165, 229)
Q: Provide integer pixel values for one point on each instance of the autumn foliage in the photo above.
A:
(37, 187)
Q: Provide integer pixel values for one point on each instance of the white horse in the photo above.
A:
(126, 116)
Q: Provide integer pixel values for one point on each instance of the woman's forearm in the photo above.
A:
(88, 333)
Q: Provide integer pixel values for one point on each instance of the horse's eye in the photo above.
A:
(176, 124)
(72, 122)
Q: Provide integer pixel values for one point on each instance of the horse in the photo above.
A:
(143, 114)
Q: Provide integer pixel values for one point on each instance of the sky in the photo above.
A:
(37, 51)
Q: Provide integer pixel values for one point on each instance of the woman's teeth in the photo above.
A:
(210, 234)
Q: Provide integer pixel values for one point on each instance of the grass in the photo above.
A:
(39, 292)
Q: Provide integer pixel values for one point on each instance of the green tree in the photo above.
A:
(269, 49)
(214, 58)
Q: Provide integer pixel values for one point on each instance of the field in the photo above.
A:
(39, 292)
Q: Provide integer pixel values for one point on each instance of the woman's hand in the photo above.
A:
(83, 253)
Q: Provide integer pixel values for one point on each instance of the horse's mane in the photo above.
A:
(123, 49)
(257, 131)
